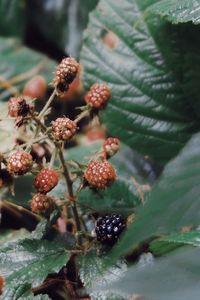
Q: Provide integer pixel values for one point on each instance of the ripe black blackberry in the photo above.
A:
(108, 229)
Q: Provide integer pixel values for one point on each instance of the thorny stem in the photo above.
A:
(69, 184)
(34, 139)
(68, 180)
(65, 172)
(81, 116)
(48, 103)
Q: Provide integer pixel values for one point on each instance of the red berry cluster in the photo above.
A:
(65, 74)
(63, 129)
(19, 163)
(111, 146)
(98, 96)
(19, 107)
(100, 175)
(46, 180)
(42, 204)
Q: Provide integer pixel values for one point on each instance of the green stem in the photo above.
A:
(48, 103)
(68, 180)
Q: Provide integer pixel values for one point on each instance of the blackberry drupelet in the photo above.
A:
(108, 229)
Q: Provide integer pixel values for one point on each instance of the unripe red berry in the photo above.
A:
(2, 282)
(46, 180)
(100, 174)
(36, 87)
(98, 96)
(96, 133)
(63, 129)
(65, 73)
(19, 163)
(42, 204)
(19, 107)
(111, 146)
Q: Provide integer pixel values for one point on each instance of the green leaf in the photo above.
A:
(12, 17)
(173, 277)
(21, 292)
(17, 60)
(16, 292)
(92, 272)
(173, 203)
(179, 11)
(169, 243)
(31, 261)
(9, 236)
(119, 198)
(22, 196)
(153, 88)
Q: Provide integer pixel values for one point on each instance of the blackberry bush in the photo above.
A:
(99, 155)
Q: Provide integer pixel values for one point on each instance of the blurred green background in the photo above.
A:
(53, 27)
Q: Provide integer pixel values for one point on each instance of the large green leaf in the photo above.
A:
(21, 292)
(22, 196)
(120, 198)
(179, 11)
(92, 272)
(173, 203)
(30, 261)
(174, 277)
(153, 72)
(7, 236)
(169, 243)
(12, 17)
(17, 60)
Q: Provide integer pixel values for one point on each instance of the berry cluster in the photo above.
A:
(111, 147)
(19, 163)
(19, 107)
(63, 129)
(46, 180)
(42, 204)
(98, 96)
(100, 175)
(109, 228)
(65, 74)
